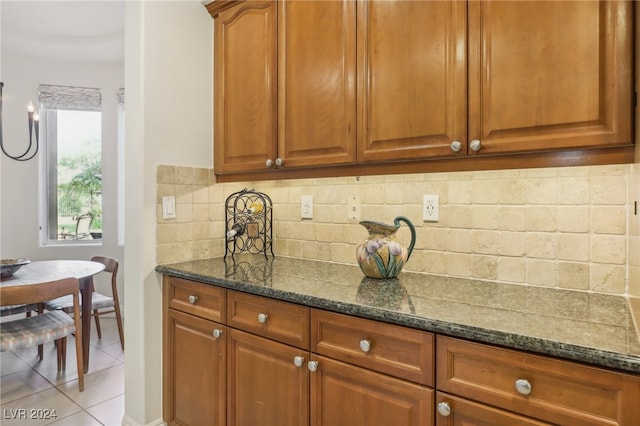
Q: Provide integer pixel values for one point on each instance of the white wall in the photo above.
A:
(21, 196)
(168, 80)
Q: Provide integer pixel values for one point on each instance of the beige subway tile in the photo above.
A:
(460, 240)
(202, 249)
(200, 194)
(184, 213)
(541, 245)
(609, 170)
(216, 229)
(573, 247)
(573, 218)
(512, 243)
(309, 249)
(460, 216)
(431, 239)
(485, 242)
(485, 192)
(200, 212)
(343, 253)
(184, 175)
(216, 194)
(166, 233)
(608, 249)
(573, 275)
(512, 218)
(201, 177)
(541, 272)
(573, 190)
(434, 262)
(216, 212)
(165, 190)
(166, 174)
(324, 251)
(511, 269)
(512, 191)
(458, 264)
(184, 232)
(608, 278)
(542, 191)
(608, 190)
(574, 171)
(184, 194)
(485, 217)
(460, 192)
(484, 267)
(542, 218)
(544, 172)
(200, 230)
(609, 219)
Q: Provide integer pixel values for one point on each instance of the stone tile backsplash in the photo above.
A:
(562, 227)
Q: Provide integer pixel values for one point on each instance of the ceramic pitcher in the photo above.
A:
(382, 255)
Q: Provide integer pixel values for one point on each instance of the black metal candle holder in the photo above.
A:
(248, 221)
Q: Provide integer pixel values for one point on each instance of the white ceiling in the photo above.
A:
(80, 30)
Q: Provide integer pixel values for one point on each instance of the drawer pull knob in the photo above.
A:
(217, 333)
(262, 318)
(298, 361)
(455, 146)
(475, 145)
(313, 366)
(365, 345)
(523, 386)
(444, 409)
(193, 299)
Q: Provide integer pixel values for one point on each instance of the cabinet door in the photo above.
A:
(345, 395)
(245, 87)
(265, 386)
(412, 79)
(548, 75)
(316, 83)
(194, 371)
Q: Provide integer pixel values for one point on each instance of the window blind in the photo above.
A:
(69, 97)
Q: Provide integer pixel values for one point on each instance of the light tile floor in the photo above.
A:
(28, 384)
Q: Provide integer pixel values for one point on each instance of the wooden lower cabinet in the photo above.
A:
(195, 371)
(548, 389)
(265, 386)
(346, 395)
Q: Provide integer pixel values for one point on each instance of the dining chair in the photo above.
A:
(83, 227)
(100, 304)
(37, 329)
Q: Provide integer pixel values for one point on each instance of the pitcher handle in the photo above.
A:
(396, 222)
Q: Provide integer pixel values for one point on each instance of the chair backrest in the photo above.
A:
(83, 225)
(36, 293)
(110, 266)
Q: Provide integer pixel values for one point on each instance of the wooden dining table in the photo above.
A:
(50, 270)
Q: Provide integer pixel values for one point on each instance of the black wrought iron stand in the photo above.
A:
(248, 220)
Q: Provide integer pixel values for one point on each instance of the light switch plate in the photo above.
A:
(168, 207)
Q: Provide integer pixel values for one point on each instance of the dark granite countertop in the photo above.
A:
(593, 328)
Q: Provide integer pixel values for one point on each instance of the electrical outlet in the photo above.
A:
(353, 207)
(306, 207)
(430, 208)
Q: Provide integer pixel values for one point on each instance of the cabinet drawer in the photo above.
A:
(561, 392)
(194, 298)
(282, 321)
(387, 348)
(454, 411)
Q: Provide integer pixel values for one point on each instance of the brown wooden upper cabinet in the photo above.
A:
(306, 84)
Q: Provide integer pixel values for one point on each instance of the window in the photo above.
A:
(72, 129)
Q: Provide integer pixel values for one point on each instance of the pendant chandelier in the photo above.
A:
(34, 127)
